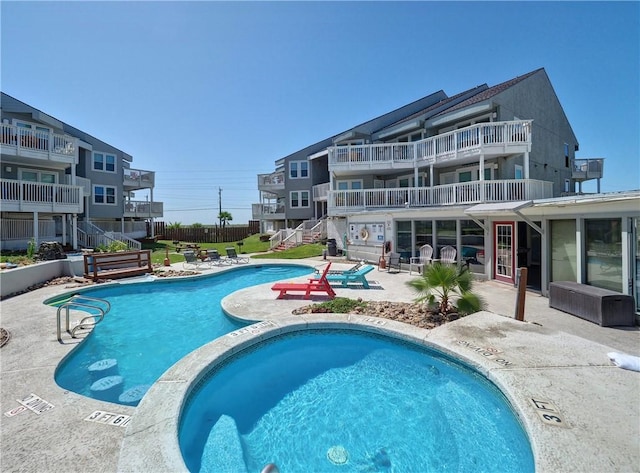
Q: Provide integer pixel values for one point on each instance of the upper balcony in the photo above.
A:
(456, 147)
(271, 182)
(463, 193)
(37, 145)
(138, 179)
(321, 192)
(587, 168)
(27, 196)
(267, 212)
(143, 209)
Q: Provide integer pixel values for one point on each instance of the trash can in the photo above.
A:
(332, 247)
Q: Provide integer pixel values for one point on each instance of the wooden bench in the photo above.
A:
(117, 265)
(601, 306)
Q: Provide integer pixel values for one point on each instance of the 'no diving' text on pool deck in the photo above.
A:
(489, 353)
(35, 403)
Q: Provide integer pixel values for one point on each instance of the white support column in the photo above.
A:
(481, 177)
(488, 248)
(627, 259)
(459, 240)
(36, 235)
(545, 257)
(74, 231)
(581, 261)
(64, 229)
(434, 238)
(413, 237)
(526, 164)
(151, 219)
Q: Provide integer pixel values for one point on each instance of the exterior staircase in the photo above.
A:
(91, 236)
(309, 231)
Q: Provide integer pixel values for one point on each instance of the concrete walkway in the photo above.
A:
(561, 356)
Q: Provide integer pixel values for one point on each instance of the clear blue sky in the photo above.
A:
(209, 94)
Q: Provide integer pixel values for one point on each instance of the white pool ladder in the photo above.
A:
(88, 304)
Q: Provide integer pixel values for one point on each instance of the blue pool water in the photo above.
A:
(341, 401)
(153, 325)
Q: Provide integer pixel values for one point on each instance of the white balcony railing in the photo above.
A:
(273, 181)
(19, 141)
(267, 211)
(143, 209)
(486, 138)
(321, 191)
(26, 196)
(139, 179)
(450, 194)
(587, 168)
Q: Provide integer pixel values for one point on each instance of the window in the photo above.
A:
(104, 195)
(298, 169)
(346, 185)
(104, 162)
(603, 244)
(299, 199)
(38, 176)
(519, 174)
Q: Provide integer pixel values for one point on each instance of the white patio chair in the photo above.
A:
(426, 255)
(448, 255)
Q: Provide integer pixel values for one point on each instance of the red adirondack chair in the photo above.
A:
(314, 285)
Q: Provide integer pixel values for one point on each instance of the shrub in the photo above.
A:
(116, 246)
(31, 248)
(441, 283)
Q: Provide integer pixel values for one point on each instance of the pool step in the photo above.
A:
(223, 450)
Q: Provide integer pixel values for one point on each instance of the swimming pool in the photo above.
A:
(152, 325)
(325, 400)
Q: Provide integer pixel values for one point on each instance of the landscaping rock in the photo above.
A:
(50, 250)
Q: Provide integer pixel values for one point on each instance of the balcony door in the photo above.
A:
(503, 249)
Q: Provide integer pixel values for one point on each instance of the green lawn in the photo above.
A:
(251, 244)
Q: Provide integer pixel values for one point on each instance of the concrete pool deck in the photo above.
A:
(554, 358)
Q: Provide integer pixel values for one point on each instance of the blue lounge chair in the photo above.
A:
(357, 277)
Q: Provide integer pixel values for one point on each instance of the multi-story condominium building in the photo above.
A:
(491, 172)
(61, 184)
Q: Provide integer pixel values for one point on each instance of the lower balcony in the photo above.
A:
(267, 212)
(143, 209)
(451, 194)
(26, 196)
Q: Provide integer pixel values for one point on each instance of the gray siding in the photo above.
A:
(534, 98)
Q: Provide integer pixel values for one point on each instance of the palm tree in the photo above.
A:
(224, 217)
(443, 282)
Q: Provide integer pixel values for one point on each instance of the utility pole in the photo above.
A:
(220, 204)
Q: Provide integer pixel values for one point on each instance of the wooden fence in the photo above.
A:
(212, 234)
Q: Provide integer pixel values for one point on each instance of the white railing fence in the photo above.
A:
(92, 236)
(139, 178)
(36, 140)
(143, 208)
(13, 190)
(22, 229)
(436, 148)
(449, 194)
(279, 237)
